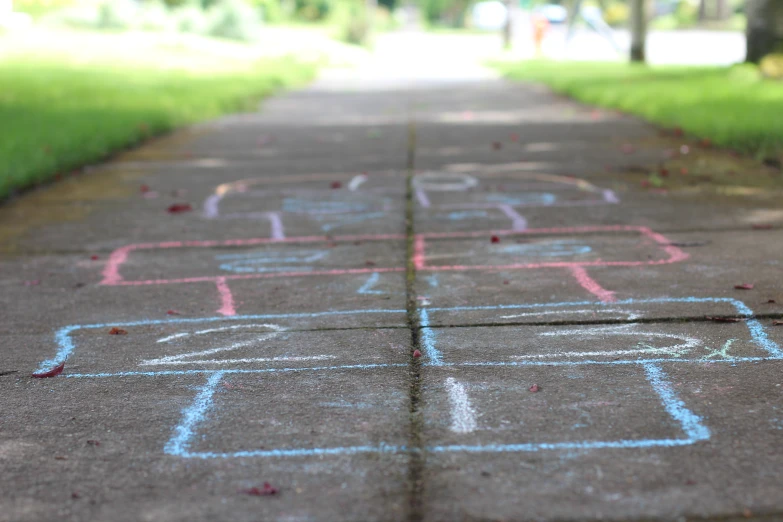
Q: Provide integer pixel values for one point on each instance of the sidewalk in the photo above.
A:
(411, 292)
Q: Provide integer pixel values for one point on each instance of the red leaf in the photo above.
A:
(177, 208)
(762, 226)
(94, 257)
(534, 389)
(144, 189)
(93, 442)
(724, 319)
(678, 131)
(684, 171)
(777, 323)
(336, 184)
(645, 183)
(664, 173)
(117, 331)
(416, 353)
(75, 495)
(172, 312)
(54, 372)
(514, 137)
(369, 263)
(34, 282)
(505, 282)
(266, 490)
(494, 239)
(628, 148)
(744, 286)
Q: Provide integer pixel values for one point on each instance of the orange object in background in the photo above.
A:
(540, 28)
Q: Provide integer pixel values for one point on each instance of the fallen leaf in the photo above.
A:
(34, 282)
(684, 171)
(336, 184)
(54, 372)
(75, 495)
(744, 286)
(144, 189)
(117, 331)
(706, 143)
(93, 442)
(645, 183)
(664, 173)
(514, 137)
(266, 490)
(535, 388)
(494, 239)
(678, 132)
(724, 319)
(627, 148)
(94, 257)
(497, 145)
(416, 354)
(771, 301)
(777, 323)
(177, 208)
(60, 457)
(369, 263)
(172, 312)
(506, 282)
(762, 226)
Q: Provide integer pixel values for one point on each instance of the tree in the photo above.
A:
(764, 31)
(638, 29)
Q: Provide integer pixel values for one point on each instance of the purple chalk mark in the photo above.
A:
(421, 195)
(518, 222)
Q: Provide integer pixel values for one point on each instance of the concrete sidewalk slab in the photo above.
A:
(395, 297)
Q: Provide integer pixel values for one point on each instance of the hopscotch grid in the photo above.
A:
(757, 331)
(689, 422)
(196, 412)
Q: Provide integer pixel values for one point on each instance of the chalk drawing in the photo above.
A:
(576, 268)
(197, 357)
(463, 416)
(367, 287)
(356, 182)
(265, 261)
(458, 216)
(628, 330)
(560, 248)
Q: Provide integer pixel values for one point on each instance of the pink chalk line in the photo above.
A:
(112, 277)
(589, 284)
(226, 297)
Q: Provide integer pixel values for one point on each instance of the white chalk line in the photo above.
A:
(630, 315)
(178, 359)
(356, 182)
(590, 332)
(463, 416)
(245, 360)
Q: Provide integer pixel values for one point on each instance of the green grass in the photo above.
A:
(734, 107)
(58, 114)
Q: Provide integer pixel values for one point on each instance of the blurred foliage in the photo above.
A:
(771, 66)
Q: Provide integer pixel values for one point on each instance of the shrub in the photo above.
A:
(153, 16)
(116, 14)
(233, 19)
(190, 19)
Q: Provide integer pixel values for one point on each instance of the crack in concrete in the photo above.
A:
(416, 453)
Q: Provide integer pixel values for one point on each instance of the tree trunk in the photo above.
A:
(508, 26)
(764, 31)
(638, 30)
(702, 10)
